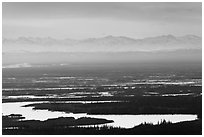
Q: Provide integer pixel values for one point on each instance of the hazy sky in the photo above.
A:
(85, 20)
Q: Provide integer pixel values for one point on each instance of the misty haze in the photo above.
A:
(101, 68)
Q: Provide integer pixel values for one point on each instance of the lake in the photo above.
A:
(124, 121)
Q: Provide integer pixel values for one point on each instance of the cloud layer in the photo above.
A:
(84, 20)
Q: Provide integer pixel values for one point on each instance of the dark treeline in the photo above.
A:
(164, 128)
(135, 105)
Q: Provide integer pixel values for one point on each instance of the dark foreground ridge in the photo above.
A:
(68, 126)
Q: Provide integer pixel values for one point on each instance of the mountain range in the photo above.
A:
(103, 44)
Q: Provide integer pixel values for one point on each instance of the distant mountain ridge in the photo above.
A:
(103, 44)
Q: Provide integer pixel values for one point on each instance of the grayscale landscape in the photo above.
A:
(104, 68)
